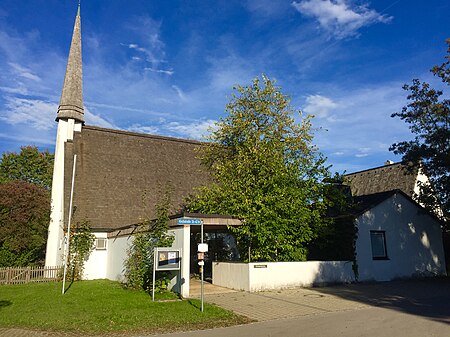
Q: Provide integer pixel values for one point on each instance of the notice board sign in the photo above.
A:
(167, 259)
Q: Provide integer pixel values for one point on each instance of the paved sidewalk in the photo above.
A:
(289, 303)
(208, 288)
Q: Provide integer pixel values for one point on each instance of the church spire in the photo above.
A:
(71, 103)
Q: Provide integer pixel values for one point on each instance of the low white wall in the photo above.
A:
(232, 275)
(277, 275)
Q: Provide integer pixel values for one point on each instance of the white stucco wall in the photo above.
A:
(95, 266)
(117, 255)
(413, 241)
(277, 275)
(109, 263)
(180, 282)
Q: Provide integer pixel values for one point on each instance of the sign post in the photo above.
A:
(201, 250)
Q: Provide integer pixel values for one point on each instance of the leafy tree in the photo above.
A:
(29, 165)
(428, 116)
(267, 172)
(24, 218)
(151, 234)
(336, 241)
(81, 244)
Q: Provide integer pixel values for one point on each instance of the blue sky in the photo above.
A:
(168, 67)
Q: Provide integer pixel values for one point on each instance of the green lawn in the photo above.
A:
(102, 306)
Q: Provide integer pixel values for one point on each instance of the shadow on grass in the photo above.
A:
(428, 298)
(68, 287)
(5, 303)
(195, 303)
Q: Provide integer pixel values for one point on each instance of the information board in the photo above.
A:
(167, 259)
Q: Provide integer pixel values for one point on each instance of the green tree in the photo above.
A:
(29, 165)
(428, 116)
(267, 172)
(152, 233)
(24, 218)
(81, 244)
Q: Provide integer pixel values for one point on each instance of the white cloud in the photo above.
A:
(169, 72)
(97, 120)
(150, 46)
(38, 114)
(225, 72)
(319, 106)
(179, 92)
(361, 126)
(143, 129)
(24, 72)
(23, 138)
(195, 130)
(341, 18)
(18, 90)
(124, 108)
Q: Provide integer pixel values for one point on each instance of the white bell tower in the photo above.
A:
(70, 118)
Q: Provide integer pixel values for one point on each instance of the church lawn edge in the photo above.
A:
(103, 306)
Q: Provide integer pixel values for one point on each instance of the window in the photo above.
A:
(378, 240)
(100, 243)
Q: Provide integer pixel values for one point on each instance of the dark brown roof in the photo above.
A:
(119, 174)
(382, 179)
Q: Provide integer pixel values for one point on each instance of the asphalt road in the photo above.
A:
(370, 322)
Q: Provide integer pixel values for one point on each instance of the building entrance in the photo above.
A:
(221, 247)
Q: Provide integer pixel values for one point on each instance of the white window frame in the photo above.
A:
(100, 247)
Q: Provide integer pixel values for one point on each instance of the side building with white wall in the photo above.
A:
(397, 238)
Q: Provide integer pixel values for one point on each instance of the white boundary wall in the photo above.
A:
(278, 275)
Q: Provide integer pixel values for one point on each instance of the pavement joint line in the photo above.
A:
(295, 303)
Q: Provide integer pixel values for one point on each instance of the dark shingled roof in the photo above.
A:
(363, 203)
(119, 174)
(366, 202)
(382, 179)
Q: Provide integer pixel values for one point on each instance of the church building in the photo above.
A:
(118, 174)
(113, 179)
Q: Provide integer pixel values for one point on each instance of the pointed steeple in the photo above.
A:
(71, 103)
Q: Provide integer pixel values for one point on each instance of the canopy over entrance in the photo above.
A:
(221, 245)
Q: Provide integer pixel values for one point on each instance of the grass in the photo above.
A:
(103, 306)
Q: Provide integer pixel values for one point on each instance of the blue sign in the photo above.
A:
(186, 221)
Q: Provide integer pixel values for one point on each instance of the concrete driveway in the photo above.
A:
(419, 308)
(425, 298)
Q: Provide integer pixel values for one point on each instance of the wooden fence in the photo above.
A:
(19, 275)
